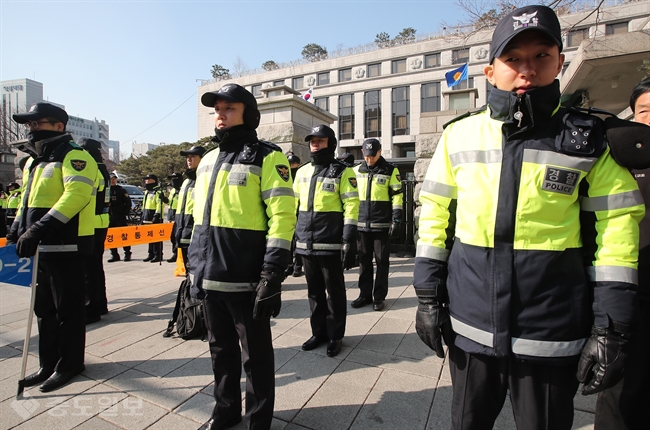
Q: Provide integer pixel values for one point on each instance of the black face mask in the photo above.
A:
(150, 187)
(38, 135)
(176, 183)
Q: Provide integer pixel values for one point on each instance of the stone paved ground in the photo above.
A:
(384, 378)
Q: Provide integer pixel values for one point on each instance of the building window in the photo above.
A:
(431, 60)
(298, 83)
(372, 113)
(407, 150)
(256, 90)
(576, 36)
(323, 103)
(346, 116)
(400, 111)
(460, 56)
(431, 97)
(323, 78)
(398, 66)
(465, 84)
(618, 28)
(278, 83)
(345, 75)
(374, 70)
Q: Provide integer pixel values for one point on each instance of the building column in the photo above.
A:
(386, 122)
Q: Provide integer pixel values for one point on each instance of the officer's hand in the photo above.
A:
(393, 230)
(27, 244)
(157, 219)
(431, 320)
(602, 361)
(12, 237)
(268, 300)
(348, 254)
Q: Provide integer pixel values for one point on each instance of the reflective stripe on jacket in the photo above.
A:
(59, 193)
(244, 213)
(328, 207)
(537, 230)
(380, 195)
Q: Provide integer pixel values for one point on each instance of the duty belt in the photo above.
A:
(319, 246)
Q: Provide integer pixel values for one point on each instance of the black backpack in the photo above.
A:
(188, 315)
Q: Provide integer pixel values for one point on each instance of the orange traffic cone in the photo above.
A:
(179, 270)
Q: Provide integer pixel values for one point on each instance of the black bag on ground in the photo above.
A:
(188, 315)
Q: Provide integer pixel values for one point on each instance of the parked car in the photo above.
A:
(137, 197)
(136, 194)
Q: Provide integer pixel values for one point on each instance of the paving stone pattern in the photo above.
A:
(384, 377)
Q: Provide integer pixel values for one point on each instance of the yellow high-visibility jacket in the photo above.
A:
(528, 228)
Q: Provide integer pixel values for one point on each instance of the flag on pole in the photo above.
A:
(455, 76)
(13, 269)
(307, 96)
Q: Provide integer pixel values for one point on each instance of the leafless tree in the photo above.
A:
(10, 131)
(239, 67)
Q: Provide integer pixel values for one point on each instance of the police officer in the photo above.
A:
(13, 202)
(526, 257)
(244, 218)
(380, 212)
(97, 304)
(152, 209)
(177, 181)
(118, 210)
(56, 218)
(328, 207)
(295, 268)
(184, 222)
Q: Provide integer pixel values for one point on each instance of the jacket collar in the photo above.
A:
(538, 104)
(379, 165)
(235, 138)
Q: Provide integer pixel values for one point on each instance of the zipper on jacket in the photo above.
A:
(519, 115)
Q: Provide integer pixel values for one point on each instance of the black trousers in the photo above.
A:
(118, 222)
(59, 307)
(541, 395)
(229, 317)
(627, 404)
(95, 278)
(377, 244)
(172, 239)
(326, 292)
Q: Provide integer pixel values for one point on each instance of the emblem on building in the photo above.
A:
(360, 73)
(416, 63)
(311, 81)
(481, 54)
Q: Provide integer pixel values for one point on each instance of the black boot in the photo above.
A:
(127, 256)
(114, 258)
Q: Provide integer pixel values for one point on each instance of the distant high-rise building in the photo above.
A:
(142, 148)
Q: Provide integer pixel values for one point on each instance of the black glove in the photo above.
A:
(268, 300)
(602, 361)
(393, 230)
(157, 219)
(12, 237)
(27, 244)
(431, 323)
(348, 254)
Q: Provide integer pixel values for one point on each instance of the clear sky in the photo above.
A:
(135, 64)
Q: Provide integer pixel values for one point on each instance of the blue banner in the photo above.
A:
(13, 269)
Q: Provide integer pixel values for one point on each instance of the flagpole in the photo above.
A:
(28, 330)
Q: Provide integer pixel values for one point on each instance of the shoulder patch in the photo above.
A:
(353, 182)
(283, 171)
(399, 177)
(78, 165)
